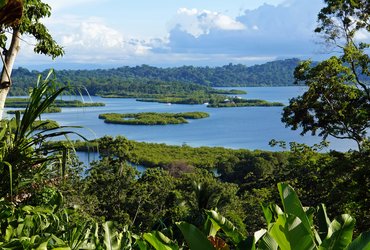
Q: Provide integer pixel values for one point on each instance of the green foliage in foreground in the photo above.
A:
(293, 227)
(151, 118)
(22, 103)
(47, 110)
(26, 160)
(48, 227)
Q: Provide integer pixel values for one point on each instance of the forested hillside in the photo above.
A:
(277, 73)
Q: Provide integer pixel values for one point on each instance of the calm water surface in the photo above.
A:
(244, 127)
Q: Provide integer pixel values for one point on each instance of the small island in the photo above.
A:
(215, 101)
(151, 118)
(239, 102)
(47, 110)
(23, 102)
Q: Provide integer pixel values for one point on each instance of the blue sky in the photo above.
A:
(110, 33)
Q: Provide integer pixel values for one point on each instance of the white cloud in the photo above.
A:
(92, 41)
(284, 30)
(93, 35)
(199, 22)
(199, 37)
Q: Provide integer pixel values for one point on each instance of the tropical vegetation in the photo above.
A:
(257, 172)
(26, 158)
(290, 228)
(49, 201)
(179, 205)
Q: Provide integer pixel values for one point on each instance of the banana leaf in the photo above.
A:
(194, 237)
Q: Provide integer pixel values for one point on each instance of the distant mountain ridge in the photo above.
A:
(275, 73)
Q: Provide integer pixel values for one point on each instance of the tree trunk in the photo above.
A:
(10, 56)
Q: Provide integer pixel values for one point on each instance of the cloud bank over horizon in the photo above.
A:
(195, 36)
(268, 31)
